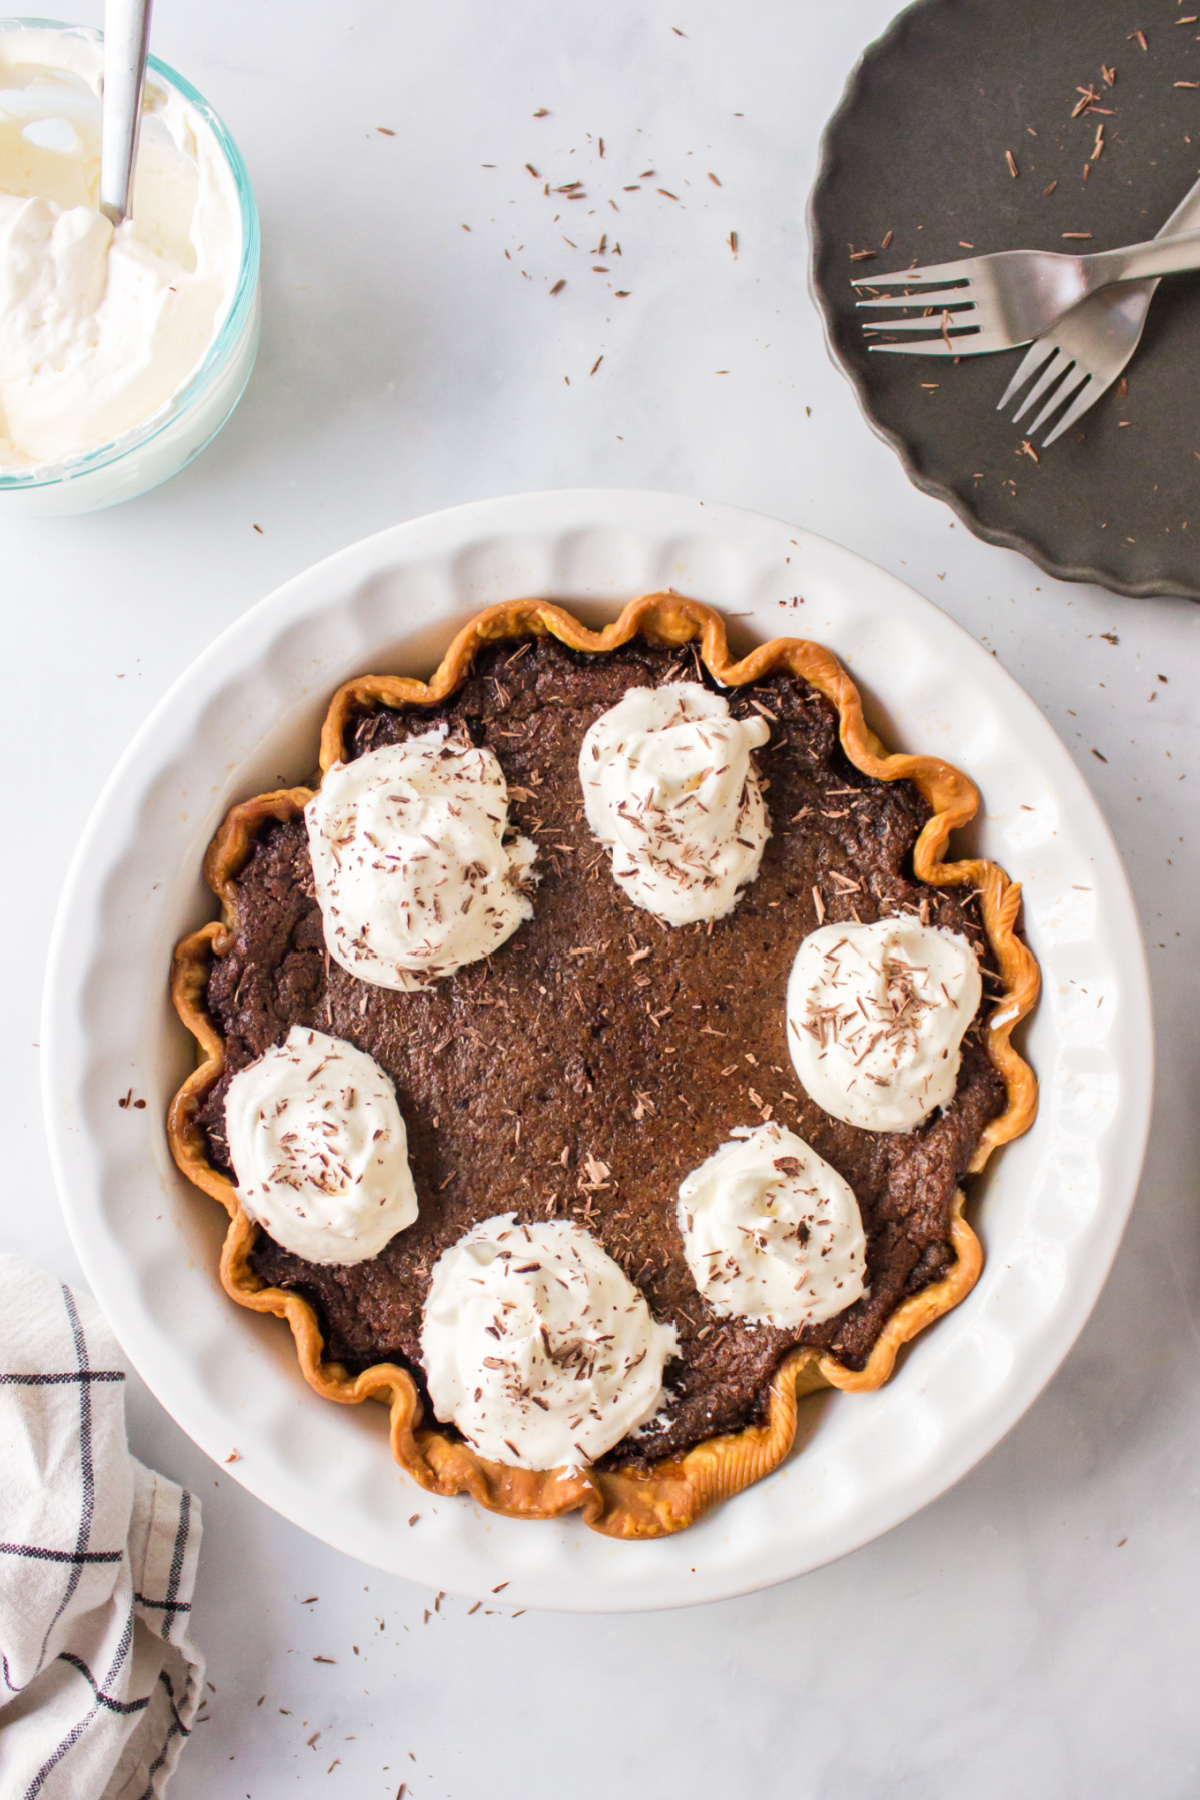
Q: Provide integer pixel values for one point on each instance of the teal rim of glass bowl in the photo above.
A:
(232, 326)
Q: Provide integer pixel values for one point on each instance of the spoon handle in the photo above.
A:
(126, 37)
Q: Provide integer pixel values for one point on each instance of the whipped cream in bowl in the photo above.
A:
(122, 351)
(537, 1347)
(771, 1232)
(876, 1015)
(320, 1149)
(670, 788)
(413, 875)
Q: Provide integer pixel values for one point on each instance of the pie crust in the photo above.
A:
(671, 1494)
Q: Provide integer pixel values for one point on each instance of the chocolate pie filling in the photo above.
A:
(597, 1057)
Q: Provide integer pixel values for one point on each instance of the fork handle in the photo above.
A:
(1186, 216)
(1161, 256)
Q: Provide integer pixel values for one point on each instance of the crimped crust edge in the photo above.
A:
(672, 1494)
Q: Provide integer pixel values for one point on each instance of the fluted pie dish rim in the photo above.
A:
(245, 715)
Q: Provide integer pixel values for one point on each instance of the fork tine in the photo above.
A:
(963, 296)
(982, 344)
(1057, 369)
(937, 274)
(958, 322)
(1087, 394)
(1030, 363)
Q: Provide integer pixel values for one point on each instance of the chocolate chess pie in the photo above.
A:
(591, 1062)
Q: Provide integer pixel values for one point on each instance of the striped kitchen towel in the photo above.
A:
(99, 1680)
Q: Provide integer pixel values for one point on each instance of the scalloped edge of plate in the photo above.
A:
(1052, 1210)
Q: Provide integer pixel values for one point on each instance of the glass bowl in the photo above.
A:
(157, 448)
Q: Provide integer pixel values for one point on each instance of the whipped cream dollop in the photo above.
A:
(319, 1149)
(669, 787)
(876, 1016)
(772, 1233)
(537, 1346)
(412, 873)
(100, 328)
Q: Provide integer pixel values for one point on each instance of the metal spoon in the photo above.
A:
(126, 39)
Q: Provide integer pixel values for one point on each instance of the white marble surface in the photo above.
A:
(1034, 1630)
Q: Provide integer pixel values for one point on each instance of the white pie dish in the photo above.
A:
(1050, 1209)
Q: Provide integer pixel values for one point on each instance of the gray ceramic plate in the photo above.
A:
(917, 149)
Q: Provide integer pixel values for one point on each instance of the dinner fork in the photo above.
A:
(1091, 344)
(987, 303)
